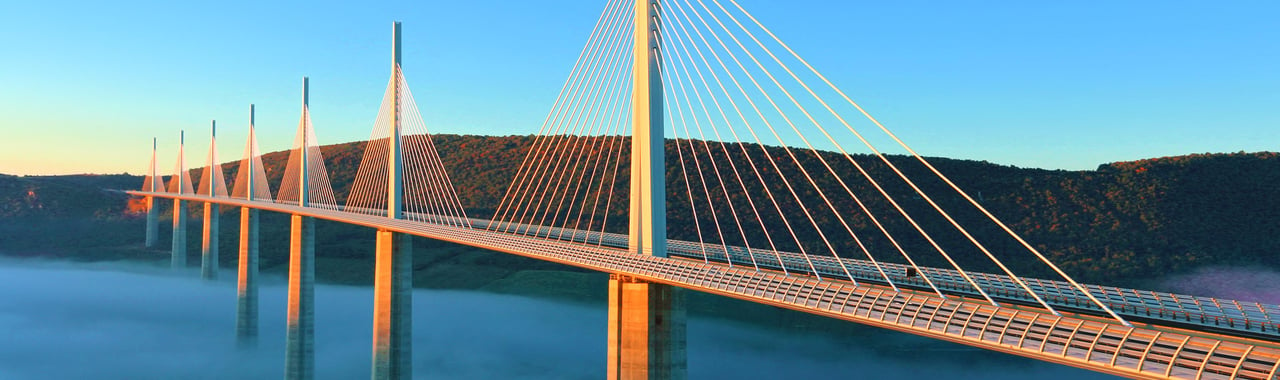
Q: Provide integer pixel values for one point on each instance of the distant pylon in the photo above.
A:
(151, 183)
(181, 181)
(251, 178)
(251, 183)
(212, 182)
(401, 174)
(300, 330)
(306, 182)
(212, 185)
(181, 184)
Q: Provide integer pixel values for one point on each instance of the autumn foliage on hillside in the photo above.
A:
(1125, 219)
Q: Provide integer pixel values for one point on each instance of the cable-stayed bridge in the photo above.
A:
(739, 180)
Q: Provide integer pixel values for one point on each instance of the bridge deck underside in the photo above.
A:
(1090, 344)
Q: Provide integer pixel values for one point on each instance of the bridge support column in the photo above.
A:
(647, 230)
(153, 222)
(300, 331)
(393, 307)
(247, 285)
(209, 247)
(646, 330)
(393, 266)
(178, 256)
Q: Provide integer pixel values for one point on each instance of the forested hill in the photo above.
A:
(61, 197)
(1128, 218)
(1122, 220)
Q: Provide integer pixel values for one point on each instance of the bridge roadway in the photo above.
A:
(1083, 342)
(1230, 317)
(1200, 313)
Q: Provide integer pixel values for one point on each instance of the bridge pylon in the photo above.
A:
(247, 265)
(646, 320)
(212, 179)
(393, 266)
(648, 224)
(646, 330)
(300, 328)
(180, 184)
(153, 214)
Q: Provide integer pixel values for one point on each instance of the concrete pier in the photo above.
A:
(393, 265)
(646, 320)
(393, 307)
(153, 223)
(209, 245)
(247, 285)
(646, 330)
(179, 253)
(300, 330)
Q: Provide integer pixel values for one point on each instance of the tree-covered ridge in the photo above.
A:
(1122, 220)
(1134, 218)
(81, 196)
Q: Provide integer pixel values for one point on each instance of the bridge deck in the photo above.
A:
(1204, 313)
(1095, 345)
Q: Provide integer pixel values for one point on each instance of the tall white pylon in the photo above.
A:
(251, 151)
(395, 163)
(646, 320)
(212, 181)
(393, 267)
(180, 184)
(152, 184)
(212, 185)
(648, 226)
(251, 179)
(300, 327)
(303, 173)
(401, 175)
(305, 181)
(247, 273)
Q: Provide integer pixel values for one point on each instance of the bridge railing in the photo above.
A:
(1253, 318)
(1079, 342)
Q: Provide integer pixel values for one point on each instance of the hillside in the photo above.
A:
(1121, 221)
(70, 215)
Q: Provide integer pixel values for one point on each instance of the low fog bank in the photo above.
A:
(1253, 284)
(68, 321)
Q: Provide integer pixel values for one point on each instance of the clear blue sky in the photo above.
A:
(85, 85)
